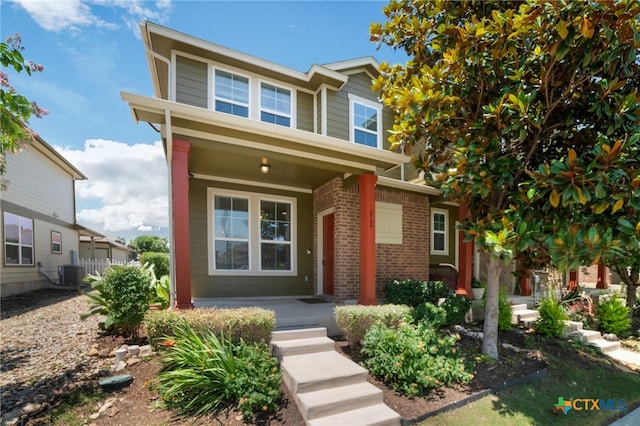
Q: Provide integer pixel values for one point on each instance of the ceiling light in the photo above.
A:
(264, 168)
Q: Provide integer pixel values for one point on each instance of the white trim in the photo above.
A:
(407, 186)
(354, 99)
(292, 103)
(173, 82)
(433, 251)
(320, 248)
(254, 199)
(252, 183)
(323, 111)
(456, 245)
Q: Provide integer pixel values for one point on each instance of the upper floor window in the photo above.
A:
(231, 93)
(365, 121)
(18, 240)
(439, 219)
(275, 105)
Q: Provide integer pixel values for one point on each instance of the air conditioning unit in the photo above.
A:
(71, 275)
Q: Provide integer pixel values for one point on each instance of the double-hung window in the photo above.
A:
(56, 242)
(18, 240)
(365, 120)
(231, 233)
(439, 219)
(275, 235)
(253, 234)
(231, 93)
(275, 105)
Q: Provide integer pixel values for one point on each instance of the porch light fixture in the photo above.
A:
(264, 168)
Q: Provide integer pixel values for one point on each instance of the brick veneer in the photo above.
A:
(393, 261)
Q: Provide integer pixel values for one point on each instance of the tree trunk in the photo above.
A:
(630, 278)
(490, 338)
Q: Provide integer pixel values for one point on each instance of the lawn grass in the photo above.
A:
(533, 403)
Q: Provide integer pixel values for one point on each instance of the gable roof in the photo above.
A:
(57, 158)
(161, 41)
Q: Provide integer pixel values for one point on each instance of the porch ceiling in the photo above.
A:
(234, 147)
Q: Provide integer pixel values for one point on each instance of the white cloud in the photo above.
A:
(127, 187)
(71, 15)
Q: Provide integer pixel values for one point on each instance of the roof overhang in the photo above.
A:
(217, 134)
(86, 232)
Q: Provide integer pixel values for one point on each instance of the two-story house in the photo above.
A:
(39, 232)
(281, 181)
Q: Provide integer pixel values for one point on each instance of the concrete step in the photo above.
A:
(573, 326)
(302, 333)
(586, 335)
(375, 415)
(519, 307)
(605, 346)
(320, 370)
(625, 356)
(524, 316)
(284, 348)
(334, 401)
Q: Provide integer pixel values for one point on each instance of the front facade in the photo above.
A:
(37, 209)
(282, 183)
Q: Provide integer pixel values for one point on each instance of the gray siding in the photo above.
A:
(338, 114)
(191, 82)
(305, 111)
(205, 286)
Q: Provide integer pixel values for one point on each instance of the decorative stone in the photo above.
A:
(146, 350)
(610, 337)
(120, 365)
(104, 353)
(535, 354)
(133, 361)
(93, 352)
(31, 407)
(11, 418)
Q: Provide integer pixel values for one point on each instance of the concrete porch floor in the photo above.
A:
(291, 312)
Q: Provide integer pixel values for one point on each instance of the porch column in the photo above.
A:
(367, 184)
(573, 279)
(602, 276)
(465, 260)
(180, 243)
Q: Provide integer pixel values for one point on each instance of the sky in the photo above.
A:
(91, 51)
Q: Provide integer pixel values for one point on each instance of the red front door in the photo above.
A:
(327, 254)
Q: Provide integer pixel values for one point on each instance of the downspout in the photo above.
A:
(172, 255)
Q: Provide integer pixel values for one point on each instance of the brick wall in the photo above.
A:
(393, 261)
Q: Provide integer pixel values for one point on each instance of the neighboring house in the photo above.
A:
(282, 183)
(103, 248)
(39, 232)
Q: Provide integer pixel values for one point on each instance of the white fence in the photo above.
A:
(93, 266)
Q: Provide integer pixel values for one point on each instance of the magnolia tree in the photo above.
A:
(16, 109)
(498, 100)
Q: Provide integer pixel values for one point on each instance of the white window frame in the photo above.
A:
(262, 109)
(281, 242)
(59, 235)
(255, 260)
(212, 78)
(19, 244)
(353, 99)
(232, 239)
(445, 233)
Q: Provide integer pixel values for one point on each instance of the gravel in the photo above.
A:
(44, 350)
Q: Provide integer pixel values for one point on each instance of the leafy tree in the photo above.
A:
(497, 97)
(149, 243)
(16, 109)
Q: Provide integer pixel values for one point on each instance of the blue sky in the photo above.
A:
(91, 51)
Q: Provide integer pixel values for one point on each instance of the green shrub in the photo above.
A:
(253, 325)
(355, 320)
(580, 309)
(255, 385)
(613, 317)
(435, 316)
(504, 313)
(456, 307)
(160, 262)
(160, 291)
(122, 295)
(413, 359)
(504, 310)
(196, 372)
(414, 292)
(203, 372)
(552, 317)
